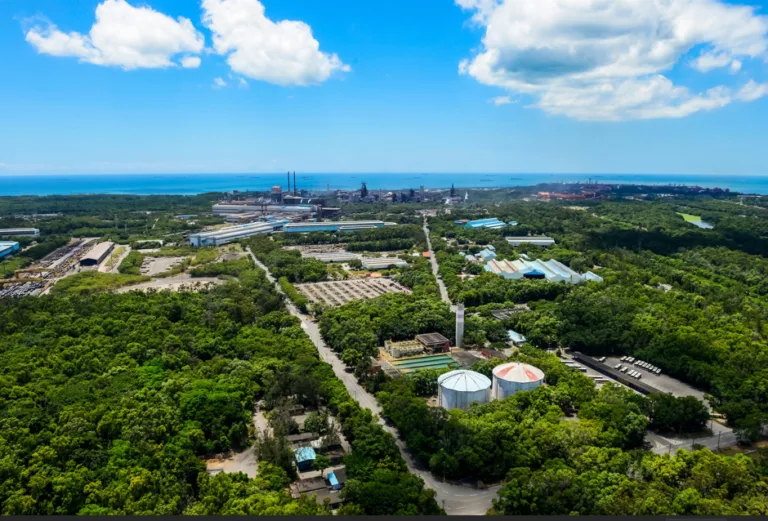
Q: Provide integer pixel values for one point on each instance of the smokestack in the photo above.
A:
(460, 325)
(295, 192)
(289, 182)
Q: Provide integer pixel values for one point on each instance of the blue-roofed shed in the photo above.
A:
(516, 338)
(305, 458)
(335, 485)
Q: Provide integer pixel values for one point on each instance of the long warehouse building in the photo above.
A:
(19, 232)
(97, 254)
(337, 226)
(228, 209)
(233, 233)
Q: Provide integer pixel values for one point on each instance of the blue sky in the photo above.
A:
(427, 86)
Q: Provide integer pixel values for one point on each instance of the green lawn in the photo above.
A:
(689, 218)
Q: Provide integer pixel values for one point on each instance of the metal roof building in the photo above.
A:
(461, 388)
(551, 270)
(305, 457)
(7, 248)
(515, 337)
(19, 232)
(383, 263)
(97, 254)
(592, 277)
(536, 241)
(227, 235)
(493, 223)
(332, 256)
(337, 226)
(513, 377)
(225, 209)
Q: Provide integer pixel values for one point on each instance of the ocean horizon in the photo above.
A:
(192, 184)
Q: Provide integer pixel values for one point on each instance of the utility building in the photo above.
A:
(97, 254)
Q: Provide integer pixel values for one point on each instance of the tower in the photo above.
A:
(460, 325)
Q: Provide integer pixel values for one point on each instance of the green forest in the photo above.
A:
(109, 401)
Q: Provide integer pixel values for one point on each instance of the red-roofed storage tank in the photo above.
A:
(513, 377)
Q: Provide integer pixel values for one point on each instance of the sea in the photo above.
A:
(190, 184)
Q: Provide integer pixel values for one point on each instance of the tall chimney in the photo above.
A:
(460, 325)
(289, 182)
(295, 192)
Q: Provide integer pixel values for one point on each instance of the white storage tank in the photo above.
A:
(459, 389)
(515, 376)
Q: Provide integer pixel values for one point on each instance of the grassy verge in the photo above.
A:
(94, 281)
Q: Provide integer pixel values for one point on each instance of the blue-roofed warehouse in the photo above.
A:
(6, 248)
(492, 223)
(305, 458)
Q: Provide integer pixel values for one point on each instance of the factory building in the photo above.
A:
(459, 389)
(97, 254)
(332, 257)
(551, 270)
(491, 224)
(536, 241)
(513, 377)
(227, 209)
(233, 233)
(383, 263)
(486, 255)
(337, 226)
(8, 248)
(19, 232)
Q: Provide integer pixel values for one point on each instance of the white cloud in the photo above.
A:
(219, 83)
(501, 100)
(242, 82)
(190, 62)
(605, 59)
(752, 91)
(710, 60)
(283, 53)
(124, 36)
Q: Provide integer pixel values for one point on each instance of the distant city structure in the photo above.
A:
(19, 232)
(461, 388)
(8, 248)
(512, 377)
(226, 235)
(97, 254)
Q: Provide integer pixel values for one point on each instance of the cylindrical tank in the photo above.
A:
(459, 389)
(515, 376)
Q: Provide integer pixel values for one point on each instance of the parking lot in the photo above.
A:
(661, 382)
(155, 265)
(338, 293)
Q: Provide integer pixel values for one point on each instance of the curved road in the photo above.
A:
(455, 499)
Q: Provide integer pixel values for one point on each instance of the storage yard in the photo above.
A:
(338, 293)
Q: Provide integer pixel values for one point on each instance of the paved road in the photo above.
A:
(435, 267)
(662, 445)
(455, 499)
